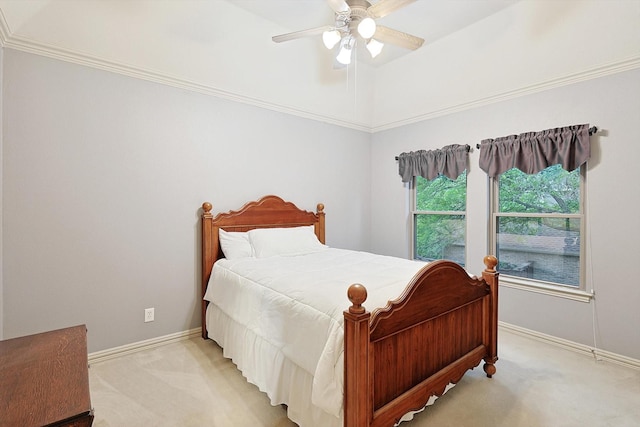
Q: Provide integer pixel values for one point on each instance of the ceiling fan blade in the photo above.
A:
(339, 6)
(300, 34)
(398, 38)
(385, 7)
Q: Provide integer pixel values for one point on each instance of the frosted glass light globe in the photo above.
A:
(367, 28)
(344, 56)
(330, 38)
(374, 47)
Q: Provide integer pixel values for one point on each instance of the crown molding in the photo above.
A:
(596, 72)
(8, 40)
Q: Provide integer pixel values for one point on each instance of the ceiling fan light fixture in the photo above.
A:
(367, 28)
(344, 56)
(355, 21)
(374, 47)
(330, 38)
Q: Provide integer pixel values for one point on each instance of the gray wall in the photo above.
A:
(1, 198)
(103, 176)
(103, 179)
(613, 104)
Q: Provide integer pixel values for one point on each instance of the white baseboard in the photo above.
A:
(597, 353)
(112, 353)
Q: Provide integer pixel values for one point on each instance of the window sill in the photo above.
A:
(545, 289)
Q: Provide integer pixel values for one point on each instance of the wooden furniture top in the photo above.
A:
(44, 379)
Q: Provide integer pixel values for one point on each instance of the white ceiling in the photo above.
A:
(52, 22)
(475, 51)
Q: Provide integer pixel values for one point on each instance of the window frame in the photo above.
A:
(414, 212)
(578, 293)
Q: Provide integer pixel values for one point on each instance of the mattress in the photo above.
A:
(280, 319)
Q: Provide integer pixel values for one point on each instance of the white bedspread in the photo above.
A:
(296, 303)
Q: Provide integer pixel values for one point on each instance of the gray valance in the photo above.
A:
(534, 151)
(449, 161)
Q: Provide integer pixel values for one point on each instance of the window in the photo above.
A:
(538, 228)
(439, 218)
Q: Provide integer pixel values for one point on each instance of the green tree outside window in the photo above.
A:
(440, 218)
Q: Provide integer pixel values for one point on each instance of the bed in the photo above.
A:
(357, 366)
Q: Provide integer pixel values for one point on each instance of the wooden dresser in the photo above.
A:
(44, 380)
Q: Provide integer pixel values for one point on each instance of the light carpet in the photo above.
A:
(189, 383)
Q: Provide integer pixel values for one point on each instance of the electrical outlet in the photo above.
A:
(148, 315)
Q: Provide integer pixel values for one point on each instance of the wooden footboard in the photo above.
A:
(397, 357)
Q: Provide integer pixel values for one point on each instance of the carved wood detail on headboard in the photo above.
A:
(268, 212)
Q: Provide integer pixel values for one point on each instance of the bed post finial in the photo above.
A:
(490, 261)
(208, 258)
(319, 226)
(490, 275)
(357, 398)
(357, 294)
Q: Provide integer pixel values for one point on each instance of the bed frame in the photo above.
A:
(398, 356)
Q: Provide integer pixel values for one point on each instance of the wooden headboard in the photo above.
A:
(268, 212)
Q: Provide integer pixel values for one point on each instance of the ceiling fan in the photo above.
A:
(355, 18)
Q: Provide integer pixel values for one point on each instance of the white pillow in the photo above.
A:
(235, 244)
(291, 241)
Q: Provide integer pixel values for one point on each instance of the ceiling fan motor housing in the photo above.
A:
(359, 8)
(358, 12)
